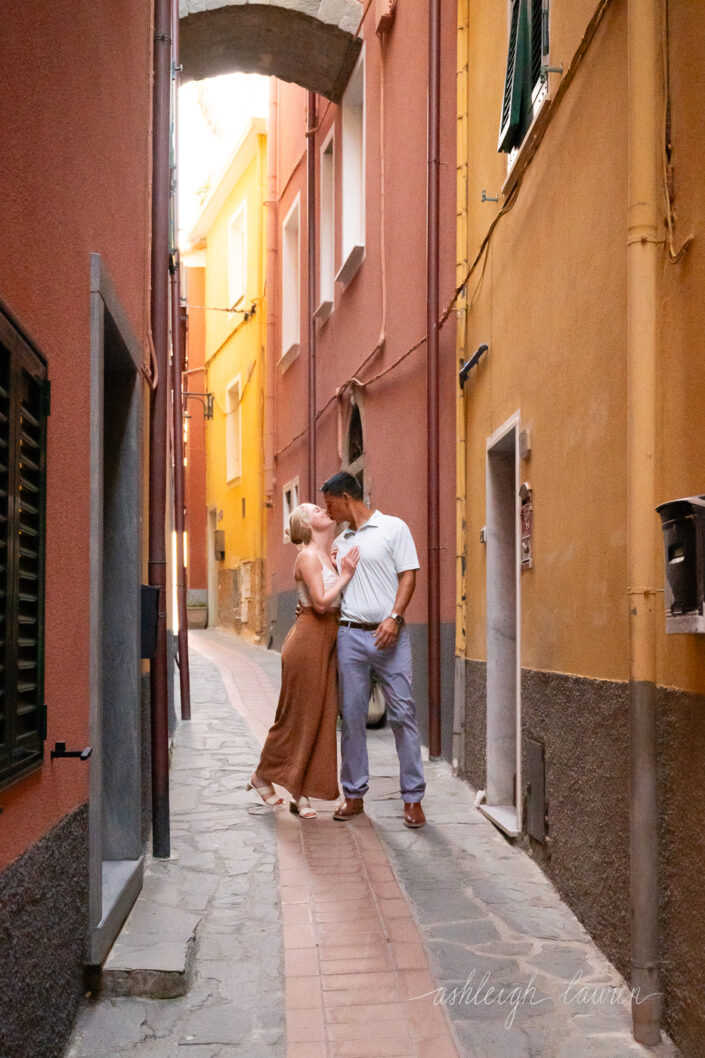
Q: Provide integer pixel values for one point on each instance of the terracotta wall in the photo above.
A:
(393, 409)
(75, 180)
(195, 478)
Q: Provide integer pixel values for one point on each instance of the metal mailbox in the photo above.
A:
(150, 617)
(683, 526)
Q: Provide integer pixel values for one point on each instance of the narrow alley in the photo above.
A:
(279, 937)
(389, 314)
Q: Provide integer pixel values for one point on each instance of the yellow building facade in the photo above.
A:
(579, 705)
(230, 237)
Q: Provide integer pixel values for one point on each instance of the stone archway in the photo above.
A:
(309, 42)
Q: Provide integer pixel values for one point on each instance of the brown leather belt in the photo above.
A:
(362, 627)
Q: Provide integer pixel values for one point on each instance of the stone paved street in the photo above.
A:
(317, 939)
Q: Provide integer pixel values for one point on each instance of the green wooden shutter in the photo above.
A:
(23, 409)
(517, 60)
(536, 39)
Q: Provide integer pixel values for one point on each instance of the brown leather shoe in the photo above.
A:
(351, 806)
(413, 815)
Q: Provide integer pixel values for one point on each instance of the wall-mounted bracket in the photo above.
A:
(60, 750)
(468, 366)
(488, 198)
(206, 399)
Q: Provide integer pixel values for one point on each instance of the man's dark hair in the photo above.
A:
(340, 483)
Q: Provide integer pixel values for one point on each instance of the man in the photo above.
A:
(372, 639)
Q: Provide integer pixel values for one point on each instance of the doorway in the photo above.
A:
(503, 630)
(116, 859)
(212, 570)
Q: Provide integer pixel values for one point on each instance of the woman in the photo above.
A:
(300, 750)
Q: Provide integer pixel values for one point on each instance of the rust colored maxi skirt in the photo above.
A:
(300, 750)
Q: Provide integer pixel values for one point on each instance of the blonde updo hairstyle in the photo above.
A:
(300, 523)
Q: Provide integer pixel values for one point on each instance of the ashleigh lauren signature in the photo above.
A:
(574, 994)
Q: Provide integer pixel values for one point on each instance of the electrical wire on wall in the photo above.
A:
(667, 155)
(526, 156)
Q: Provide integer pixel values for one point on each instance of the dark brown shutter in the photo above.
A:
(23, 409)
(5, 361)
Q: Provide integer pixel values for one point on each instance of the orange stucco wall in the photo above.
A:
(552, 305)
(681, 462)
(70, 188)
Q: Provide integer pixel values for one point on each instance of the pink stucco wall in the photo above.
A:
(74, 180)
(394, 409)
(195, 476)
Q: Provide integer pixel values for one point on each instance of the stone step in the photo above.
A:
(155, 953)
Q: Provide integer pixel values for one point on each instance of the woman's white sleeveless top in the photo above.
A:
(329, 578)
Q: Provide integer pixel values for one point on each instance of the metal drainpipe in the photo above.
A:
(179, 504)
(271, 288)
(158, 421)
(178, 347)
(432, 333)
(311, 322)
(462, 255)
(642, 264)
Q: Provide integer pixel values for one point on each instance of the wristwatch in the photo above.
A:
(398, 618)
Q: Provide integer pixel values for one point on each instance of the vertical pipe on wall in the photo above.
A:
(432, 336)
(179, 502)
(178, 350)
(311, 289)
(158, 421)
(271, 289)
(262, 339)
(458, 751)
(642, 264)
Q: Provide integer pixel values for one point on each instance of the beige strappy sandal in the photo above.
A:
(267, 793)
(302, 808)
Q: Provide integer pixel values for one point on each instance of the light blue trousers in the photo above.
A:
(358, 658)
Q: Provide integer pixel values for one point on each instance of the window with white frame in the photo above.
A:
(290, 495)
(233, 436)
(237, 256)
(291, 282)
(353, 166)
(327, 230)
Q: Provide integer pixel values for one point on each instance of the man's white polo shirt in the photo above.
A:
(386, 549)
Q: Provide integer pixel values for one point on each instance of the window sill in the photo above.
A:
(324, 311)
(286, 359)
(22, 773)
(350, 266)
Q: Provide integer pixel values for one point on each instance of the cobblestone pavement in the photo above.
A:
(223, 867)
(316, 938)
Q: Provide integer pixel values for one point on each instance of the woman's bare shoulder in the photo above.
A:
(307, 562)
